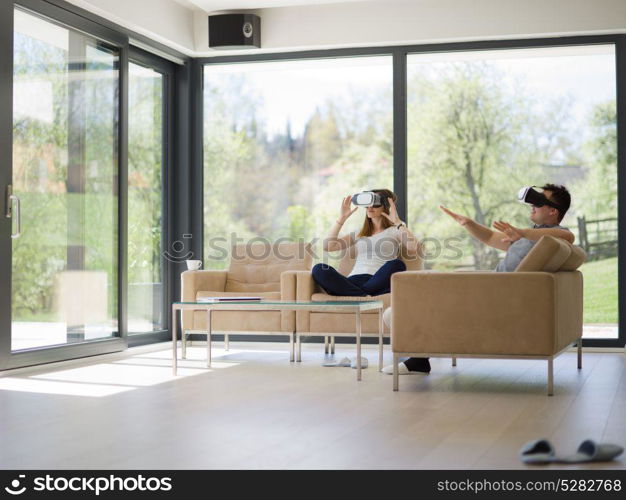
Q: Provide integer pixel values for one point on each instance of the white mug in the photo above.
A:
(194, 265)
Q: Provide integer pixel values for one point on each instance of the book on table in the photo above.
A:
(229, 299)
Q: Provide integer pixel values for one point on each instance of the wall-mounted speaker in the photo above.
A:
(234, 31)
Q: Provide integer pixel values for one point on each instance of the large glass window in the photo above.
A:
(65, 167)
(284, 142)
(145, 163)
(483, 124)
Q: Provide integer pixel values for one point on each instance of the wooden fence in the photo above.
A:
(598, 237)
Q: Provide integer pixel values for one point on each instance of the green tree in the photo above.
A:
(596, 194)
(469, 149)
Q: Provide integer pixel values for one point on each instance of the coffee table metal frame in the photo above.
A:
(355, 307)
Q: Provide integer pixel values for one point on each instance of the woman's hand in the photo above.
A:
(461, 219)
(393, 213)
(345, 209)
(512, 233)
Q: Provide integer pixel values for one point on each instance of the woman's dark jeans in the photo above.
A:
(358, 285)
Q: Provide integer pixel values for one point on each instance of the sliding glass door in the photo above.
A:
(84, 155)
(64, 196)
(149, 92)
(61, 189)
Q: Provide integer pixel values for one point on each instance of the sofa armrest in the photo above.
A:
(305, 285)
(304, 289)
(193, 281)
(474, 313)
(569, 293)
(288, 280)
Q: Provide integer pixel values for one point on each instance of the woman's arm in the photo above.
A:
(408, 240)
(406, 237)
(332, 242)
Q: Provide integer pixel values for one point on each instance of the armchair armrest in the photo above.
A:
(288, 280)
(193, 281)
(304, 287)
(475, 313)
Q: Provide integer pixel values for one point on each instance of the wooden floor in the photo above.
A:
(254, 409)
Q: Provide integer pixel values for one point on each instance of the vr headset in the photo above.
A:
(369, 199)
(530, 196)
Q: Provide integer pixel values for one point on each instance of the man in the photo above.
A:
(548, 210)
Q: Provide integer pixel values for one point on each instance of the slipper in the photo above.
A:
(590, 451)
(364, 362)
(402, 370)
(539, 451)
(334, 363)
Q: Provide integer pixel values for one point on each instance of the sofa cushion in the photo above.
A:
(576, 259)
(257, 267)
(324, 297)
(547, 255)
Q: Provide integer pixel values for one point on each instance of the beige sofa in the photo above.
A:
(533, 313)
(261, 270)
(330, 325)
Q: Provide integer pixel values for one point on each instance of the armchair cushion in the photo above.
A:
(547, 255)
(576, 259)
(323, 297)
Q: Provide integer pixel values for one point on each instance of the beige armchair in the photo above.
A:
(535, 312)
(330, 325)
(260, 270)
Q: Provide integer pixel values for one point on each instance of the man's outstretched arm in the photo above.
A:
(494, 239)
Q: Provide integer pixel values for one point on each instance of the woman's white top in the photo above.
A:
(372, 252)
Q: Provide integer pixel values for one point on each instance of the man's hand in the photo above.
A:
(478, 231)
(512, 233)
(461, 219)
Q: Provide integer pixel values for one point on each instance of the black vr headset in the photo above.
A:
(369, 199)
(532, 197)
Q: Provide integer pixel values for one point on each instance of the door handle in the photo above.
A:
(13, 209)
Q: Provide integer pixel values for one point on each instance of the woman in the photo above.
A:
(377, 250)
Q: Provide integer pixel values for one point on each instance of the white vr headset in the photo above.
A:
(369, 199)
(530, 196)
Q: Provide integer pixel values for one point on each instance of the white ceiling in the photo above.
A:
(216, 5)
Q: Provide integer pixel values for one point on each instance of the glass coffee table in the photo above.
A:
(355, 307)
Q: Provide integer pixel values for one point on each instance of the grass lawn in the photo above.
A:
(600, 291)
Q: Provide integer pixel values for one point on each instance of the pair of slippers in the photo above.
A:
(346, 362)
(541, 451)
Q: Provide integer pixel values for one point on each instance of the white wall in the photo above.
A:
(369, 23)
(427, 21)
(165, 21)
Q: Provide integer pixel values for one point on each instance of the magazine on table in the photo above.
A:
(228, 299)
